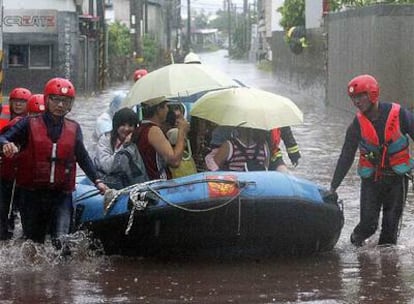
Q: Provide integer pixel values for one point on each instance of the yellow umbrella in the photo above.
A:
(178, 80)
(247, 107)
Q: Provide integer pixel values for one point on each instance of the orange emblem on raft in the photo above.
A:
(222, 189)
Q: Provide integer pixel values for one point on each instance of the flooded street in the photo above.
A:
(345, 275)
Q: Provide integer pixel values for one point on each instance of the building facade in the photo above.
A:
(51, 38)
(38, 43)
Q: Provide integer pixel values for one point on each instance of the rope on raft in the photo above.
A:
(140, 194)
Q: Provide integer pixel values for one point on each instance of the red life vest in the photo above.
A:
(394, 153)
(48, 165)
(9, 165)
(4, 116)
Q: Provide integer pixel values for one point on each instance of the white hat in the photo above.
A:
(192, 58)
(155, 101)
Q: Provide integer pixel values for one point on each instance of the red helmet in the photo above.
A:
(36, 104)
(364, 84)
(20, 93)
(138, 74)
(59, 86)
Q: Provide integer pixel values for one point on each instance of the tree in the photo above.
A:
(293, 13)
(200, 20)
(119, 42)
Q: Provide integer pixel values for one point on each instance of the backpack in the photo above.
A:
(128, 169)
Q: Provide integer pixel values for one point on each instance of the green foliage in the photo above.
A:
(335, 5)
(151, 51)
(119, 42)
(238, 50)
(221, 22)
(121, 63)
(293, 13)
(200, 20)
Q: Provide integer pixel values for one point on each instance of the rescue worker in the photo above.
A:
(18, 98)
(9, 197)
(36, 104)
(4, 115)
(138, 74)
(379, 130)
(50, 145)
(192, 58)
(292, 148)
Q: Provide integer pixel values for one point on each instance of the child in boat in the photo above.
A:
(117, 160)
(246, 151)
(241, 149)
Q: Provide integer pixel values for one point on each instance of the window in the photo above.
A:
(40, 57)
(18, 55)
(30, 56)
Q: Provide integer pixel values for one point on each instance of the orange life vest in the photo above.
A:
(48, 165)
(394, 153)
(275, 137)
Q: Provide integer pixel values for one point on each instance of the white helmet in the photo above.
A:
(192, 58)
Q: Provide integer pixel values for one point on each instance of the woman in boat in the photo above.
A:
(157, 152)
(247, 150)
(117, 160)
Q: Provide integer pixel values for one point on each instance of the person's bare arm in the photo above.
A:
(172, 155)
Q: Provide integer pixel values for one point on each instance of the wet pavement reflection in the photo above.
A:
(345, 275)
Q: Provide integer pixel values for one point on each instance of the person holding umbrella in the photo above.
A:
(156, 151)
(234, 108)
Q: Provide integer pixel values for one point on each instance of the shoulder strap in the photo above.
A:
(243, 149)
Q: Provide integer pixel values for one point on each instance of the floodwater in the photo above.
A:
(345, 275)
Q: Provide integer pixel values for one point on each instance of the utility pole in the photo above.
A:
(135, 7)
(169, 9)
(188, 26)
(146, 16)
(229, 24)
(102, 43)
(245, 23)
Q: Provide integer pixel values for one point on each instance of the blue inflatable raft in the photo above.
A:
(218, 213)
